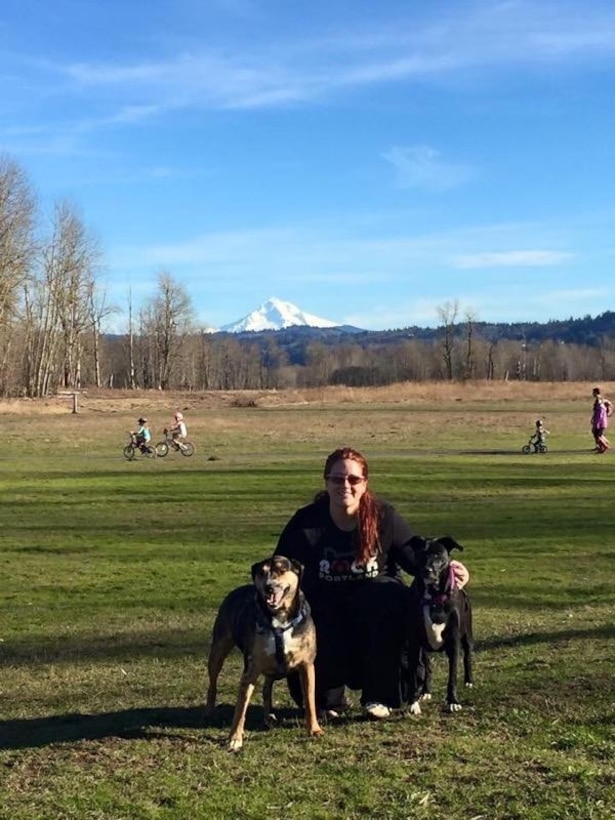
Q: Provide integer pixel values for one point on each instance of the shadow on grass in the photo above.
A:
(87, 648)
(31, 733)
(550, 638)
(182, 643)
(517, 452)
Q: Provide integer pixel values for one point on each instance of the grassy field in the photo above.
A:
(112, 573)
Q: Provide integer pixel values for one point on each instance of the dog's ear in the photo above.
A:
(297, 568)
(449, 543)
(418, 543)
(257, 569)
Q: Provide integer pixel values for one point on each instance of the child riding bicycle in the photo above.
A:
(178, 430)
(142, 434)
(538, 439)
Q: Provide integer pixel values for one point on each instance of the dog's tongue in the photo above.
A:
(275, 598)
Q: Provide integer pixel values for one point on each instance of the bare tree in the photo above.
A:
(447, 314)
(168, 320)
(17, 248)
(132, 379)
(469, 363)
(58, 302)
(42, 336)
(319, 364)
(75, 255)
(490, 361)
(98, 310)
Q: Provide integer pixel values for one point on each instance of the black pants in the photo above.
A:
(361, 633)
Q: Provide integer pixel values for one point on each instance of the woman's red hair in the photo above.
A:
(368, 540)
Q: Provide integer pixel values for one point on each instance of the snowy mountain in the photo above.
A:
(274, 314)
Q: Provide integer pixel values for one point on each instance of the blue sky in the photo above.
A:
(367, 160)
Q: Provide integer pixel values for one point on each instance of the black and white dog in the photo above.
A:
(441, 620)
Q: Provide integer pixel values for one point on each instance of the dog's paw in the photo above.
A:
(271, 720)
(453, 707)
(234, 744)
(315, 731)
(415, 708)
(426, 696)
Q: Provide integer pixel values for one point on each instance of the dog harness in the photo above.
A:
(264, 624)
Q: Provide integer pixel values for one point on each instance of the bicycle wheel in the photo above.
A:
(542, 448)
(149, 451)
(129, 452)
(187, 448)
(526, 449)
(162, 448)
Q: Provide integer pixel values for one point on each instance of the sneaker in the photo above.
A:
(377, 711)
(333, 712)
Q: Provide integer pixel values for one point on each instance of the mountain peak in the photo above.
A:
(275, 314)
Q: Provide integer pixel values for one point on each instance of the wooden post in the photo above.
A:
(74, 394)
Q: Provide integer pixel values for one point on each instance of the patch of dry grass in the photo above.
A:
(419, 417)
(544, 395)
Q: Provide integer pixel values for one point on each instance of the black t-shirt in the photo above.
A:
(328, 553)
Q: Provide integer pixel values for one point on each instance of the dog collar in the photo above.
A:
(442, 597)
(264, 617)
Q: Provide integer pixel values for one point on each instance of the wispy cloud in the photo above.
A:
(421, 166)
(419, 312)
(517, 259)
(202, 79)
(316, 258)
(493, 303)
(295, 69)
(290, 68)
(318, 252)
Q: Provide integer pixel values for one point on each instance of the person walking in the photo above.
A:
(601, 411)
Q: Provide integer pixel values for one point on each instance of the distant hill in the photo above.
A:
(291, 325)
(294, 340)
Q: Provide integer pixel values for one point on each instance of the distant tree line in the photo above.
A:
(53, 310)
(166, 352)
(204, 361)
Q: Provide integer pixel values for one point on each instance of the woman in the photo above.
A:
(352, 546)
(601, 411)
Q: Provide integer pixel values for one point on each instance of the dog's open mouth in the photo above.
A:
(274, 596)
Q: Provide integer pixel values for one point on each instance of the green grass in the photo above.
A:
(112, 573)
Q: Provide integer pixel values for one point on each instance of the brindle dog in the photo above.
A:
(270, 622)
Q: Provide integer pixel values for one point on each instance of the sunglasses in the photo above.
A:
(353, 480)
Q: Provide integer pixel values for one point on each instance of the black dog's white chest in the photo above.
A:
(434, 629)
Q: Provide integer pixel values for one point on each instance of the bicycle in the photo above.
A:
(186, 448)
(534, 445)
(131, 449)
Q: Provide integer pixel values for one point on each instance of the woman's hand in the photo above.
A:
(462, 576)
